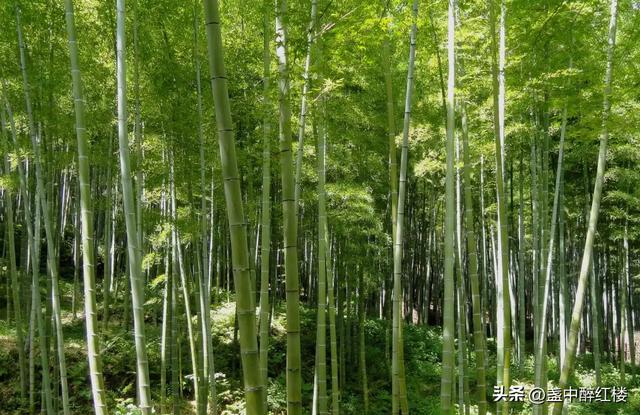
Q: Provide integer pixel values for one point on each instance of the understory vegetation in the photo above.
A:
(423, 359)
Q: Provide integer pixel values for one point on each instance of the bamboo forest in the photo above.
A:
(370, 207)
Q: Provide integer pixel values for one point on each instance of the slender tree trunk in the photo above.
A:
(397, 355)
(393, 174)
(623, 304)
(173, 341)
(311, 35)
(41, 200)
(535, 235)
(253, 383)
(265, 248)
(321, 332)
(290, 231)
(13, 272)
(393, 183)
(44, 348)
(208, 384)
(563, 297)
(484, 298)
(521, 269)
(137, 132)
(86, 212)
(361, 343)
(472, 252)
(460, 289)
(178, 262)
(335, 386)
(166, 303)
(543, 197)
(107, 280)
(593, 214)
(629, 316)
(596, 298)
(391, 134)
(133, 248)
(33, 236)
(502, 244)
(76, 257)
(540, 378)
(446, 388)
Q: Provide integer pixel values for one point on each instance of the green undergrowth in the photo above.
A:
(423, 346)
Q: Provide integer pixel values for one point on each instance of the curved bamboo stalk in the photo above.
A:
(311, 34)
(208, 381)
(41, 200)
(86, 213)
(542, 324)
(572, 341)
(33, 234)
(235, 213)
(397, 355)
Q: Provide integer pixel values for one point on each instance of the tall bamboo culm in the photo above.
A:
(265, 247)
(253, 384)
(13, 272)
(41, 205)
(446, 386)
(86, 215)
(321, 325)
(133, 249)
(472, 252)
(576, 315)
(33, 235)
(502, 256)
(290, 225)
(397, 364)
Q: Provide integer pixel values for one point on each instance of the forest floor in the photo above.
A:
(423, 347)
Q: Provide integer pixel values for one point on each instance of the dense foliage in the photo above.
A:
(502, 150)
